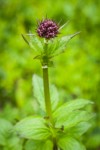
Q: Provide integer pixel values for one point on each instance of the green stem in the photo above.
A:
(47, 92)
(55, 147)
(47, 99)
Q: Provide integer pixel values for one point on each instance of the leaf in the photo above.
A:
(69, 143)
(34, 42)
(93, 140)
(39, 93)
(63, 43)
(63, 25)
(14, 143)
(54, 97)
(70, 106)
(38, 145)
(38, 90)
(58, 45)
(72, 119)
(79, 129)
(25, 39)
(5, 130)
(2, 140)
(33, 128)
(7, 138)
(52, 48)
(68, 37)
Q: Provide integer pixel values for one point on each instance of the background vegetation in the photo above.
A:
(76, 73)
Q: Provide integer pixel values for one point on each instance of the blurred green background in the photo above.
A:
(76, 73)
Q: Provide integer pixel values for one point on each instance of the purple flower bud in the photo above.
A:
(47, 29)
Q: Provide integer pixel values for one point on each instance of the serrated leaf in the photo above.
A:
(69, 143)
(73, 119)
(5, 130)
(70, 106)
(78, 130)
(38, 145)
(39, 93)
(33, 128)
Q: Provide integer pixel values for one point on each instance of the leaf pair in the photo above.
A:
(70, 122)
(48, 48)
(35, 128)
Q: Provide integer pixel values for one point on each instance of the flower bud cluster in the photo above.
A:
(47, 29)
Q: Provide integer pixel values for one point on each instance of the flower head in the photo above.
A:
(47, 29)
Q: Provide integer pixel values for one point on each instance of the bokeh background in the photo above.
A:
(76, 73)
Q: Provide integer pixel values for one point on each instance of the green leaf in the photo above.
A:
(5, 130)
(69, 143)
(72, 119)
(25, 39)
(38, 145)
(70, 106)
(33, 128)
(79, 129)
(34, 42)
(93, 140)
(39, 93)
(63, 25)
(2, 140)
(53, 46)
(58, 45)
(14, 143)
(8, 139)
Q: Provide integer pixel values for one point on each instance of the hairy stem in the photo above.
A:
(47, 92)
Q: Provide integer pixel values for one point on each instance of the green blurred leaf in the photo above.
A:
(38, 145)
(93, 141)
(38, 92)
(14, 143)
(69, 143)
(5, 130)
(63, 25)
(79, 129)
(72, 119)
(33, 128)
(70, 106)
(8, 139)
